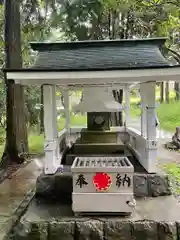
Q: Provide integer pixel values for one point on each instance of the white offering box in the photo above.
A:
(102, 185)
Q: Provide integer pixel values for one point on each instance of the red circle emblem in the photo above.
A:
(102, 181)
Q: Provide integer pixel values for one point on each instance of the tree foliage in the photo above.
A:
(81, 19)
(94, 19)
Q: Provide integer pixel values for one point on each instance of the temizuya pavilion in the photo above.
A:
(112, 64)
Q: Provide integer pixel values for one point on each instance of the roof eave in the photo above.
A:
(46, 46)
(85, 70)
(96, 77)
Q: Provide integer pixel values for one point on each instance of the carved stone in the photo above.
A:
(31, 230)
(118, 230)
(86, 229)
(145, 230)
(92, 229)
(158, 185)
(167, 231)
(60, 185)
(176, 138)
(140, 185)
(97, 121)
(62, 230)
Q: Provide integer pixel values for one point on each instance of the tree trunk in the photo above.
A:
(117, 117)
(109, 24)
(113, 25)
(122, 31)
(16, 129)
(162, 92)
(167, 92)
(176, 88)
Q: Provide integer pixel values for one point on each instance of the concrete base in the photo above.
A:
(151, 220)
(111, 203)
(60, 185)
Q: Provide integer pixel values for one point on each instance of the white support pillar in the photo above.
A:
(143, 90)
(151, 110)
(67, 111)
(151, 142)
(127, 103)
(51, 147)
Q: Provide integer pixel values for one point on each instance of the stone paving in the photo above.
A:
(154, 209)
(13, 192)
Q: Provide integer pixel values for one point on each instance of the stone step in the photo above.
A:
(98, 137)
(99, 148)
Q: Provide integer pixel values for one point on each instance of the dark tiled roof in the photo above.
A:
(109, 55)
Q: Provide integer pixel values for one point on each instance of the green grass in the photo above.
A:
(173, 170)
(169, 115)
(36, 144)
(75, 120)
(1, 150)
(135, 110)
